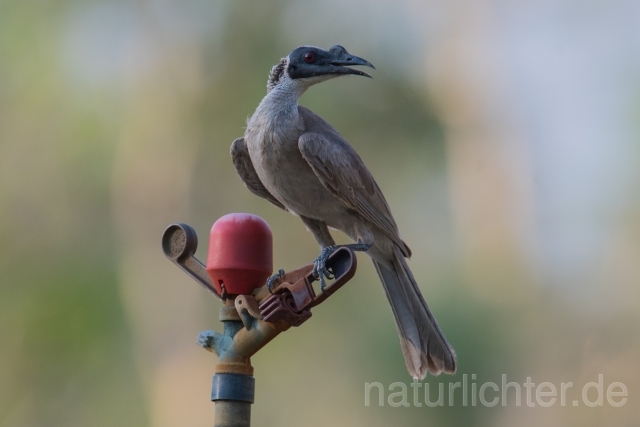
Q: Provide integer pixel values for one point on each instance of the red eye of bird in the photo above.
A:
(309, 57)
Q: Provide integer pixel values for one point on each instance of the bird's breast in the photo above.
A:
(286, 174)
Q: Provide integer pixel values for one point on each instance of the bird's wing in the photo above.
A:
(247, 172)
(344, 174)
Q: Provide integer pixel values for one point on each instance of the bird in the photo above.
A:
(296, 160)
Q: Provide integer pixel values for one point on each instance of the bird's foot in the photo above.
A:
(320, 269)
(272, 280)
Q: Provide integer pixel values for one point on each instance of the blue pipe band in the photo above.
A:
(233, 387)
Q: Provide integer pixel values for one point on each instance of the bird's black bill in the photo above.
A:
(342, 60)
(341, 66)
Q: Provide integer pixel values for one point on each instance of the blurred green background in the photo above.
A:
(505, 136)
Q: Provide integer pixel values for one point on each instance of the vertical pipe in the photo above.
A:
(232, 413)
(233, 395)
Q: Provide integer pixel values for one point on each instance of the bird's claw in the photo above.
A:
(320, 269)
(272, 280)
(319, 265)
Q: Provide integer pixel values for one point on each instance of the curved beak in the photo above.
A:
(343, 59)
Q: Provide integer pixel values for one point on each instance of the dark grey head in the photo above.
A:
(309, 61)
(306, 62)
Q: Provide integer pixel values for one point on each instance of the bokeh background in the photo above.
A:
(505, 135)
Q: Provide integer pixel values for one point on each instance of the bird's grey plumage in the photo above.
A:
(244, 167)
(299, 162)
(342, 172)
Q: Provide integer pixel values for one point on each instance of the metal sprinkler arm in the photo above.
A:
(179, 244)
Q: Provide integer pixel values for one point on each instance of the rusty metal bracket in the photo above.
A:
(294, 295)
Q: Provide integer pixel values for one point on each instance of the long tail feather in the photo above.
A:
(423, 344)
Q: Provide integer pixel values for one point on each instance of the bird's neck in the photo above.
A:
(281, 102)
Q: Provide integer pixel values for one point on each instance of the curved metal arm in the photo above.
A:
(179, 244)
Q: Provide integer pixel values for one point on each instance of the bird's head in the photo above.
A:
(309, 65)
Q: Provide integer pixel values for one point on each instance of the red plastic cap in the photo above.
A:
(240, 253)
